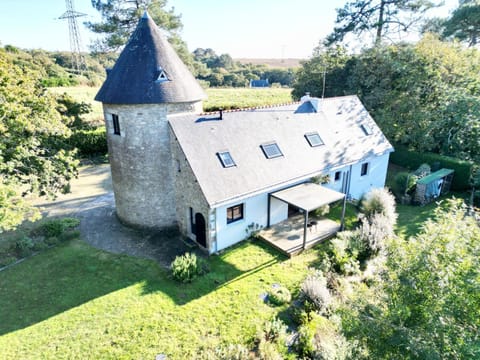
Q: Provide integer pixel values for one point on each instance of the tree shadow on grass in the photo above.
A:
(74, 273)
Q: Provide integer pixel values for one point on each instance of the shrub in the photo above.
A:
(89, 142)
(413, 159)
(345, 252)
(404, 183)
(279, 295)
(7, 260)
(315, 295)
(320, 339)
(187, 267)
(379, 201)
(24, 246)
(375, 231)
(51, 241)
(273, 330)
(69, 235)
(268, 351)
(423, 170)
(56, 227)
(40, 245)
(232, 352)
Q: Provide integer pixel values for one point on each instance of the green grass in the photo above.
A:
(226, 98)
(238, 98)
(74, 301)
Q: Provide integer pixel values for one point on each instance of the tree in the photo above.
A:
(464, 23)
(425, 305)
(34, 157)
(384, 17)
(120, 17)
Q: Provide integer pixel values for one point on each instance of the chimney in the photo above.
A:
(305, 97)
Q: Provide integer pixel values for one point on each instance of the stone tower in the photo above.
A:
(148, 84)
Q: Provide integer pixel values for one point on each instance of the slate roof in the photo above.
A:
(136, 76)
(338, 122)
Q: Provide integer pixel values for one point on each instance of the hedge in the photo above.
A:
(413, 159)
(90, 142)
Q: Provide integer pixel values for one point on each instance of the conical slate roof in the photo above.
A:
(148, 71)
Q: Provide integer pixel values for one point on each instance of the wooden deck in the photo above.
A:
(287, 236)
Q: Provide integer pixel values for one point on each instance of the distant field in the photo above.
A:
(226, 98)
(273, 63)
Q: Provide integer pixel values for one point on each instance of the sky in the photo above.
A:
(241, 28)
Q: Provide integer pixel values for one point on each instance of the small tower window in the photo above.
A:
(364, 170)
(162, 76)
(116, 124)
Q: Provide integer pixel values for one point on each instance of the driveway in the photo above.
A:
(92, 201)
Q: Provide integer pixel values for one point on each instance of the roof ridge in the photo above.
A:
(249, 108)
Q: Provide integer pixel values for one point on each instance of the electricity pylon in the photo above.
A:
(75, 43)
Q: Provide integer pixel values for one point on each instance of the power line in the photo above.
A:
(78, 59)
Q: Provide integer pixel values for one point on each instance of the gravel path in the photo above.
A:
(92, 201)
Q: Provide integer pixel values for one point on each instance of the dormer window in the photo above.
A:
(162, 76)
(226, 159)
(366, 129)
(314, 139)
(271, 150)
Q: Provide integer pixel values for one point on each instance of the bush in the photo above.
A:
(51, 241)
(379, 201)
(187, 267)
(412, 160)
(404, 183)
(24, 246)
(7, 260)
(56, 227)
(320, 339)
(273, 330)
(315, 295)
(374, 232)
(279, 295)
(345, 251)
(89, 142)
(232, 352)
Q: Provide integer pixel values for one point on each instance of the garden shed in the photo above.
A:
(432, 186)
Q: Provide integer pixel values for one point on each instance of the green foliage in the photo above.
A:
(464, 23)
(13, 209)
(24, 246)
(279, 295)
(426, 303)
(89, 142)
(320, 339)
(315, 295)
(185, 268)
(413, 159)
(56, 227)
(379, 201)
(384, 18)
(404, 183)
(345, 252)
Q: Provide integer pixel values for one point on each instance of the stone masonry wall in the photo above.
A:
(141, 163)
(188, 193)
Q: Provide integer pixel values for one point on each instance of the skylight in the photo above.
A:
(366, 129)
(271, 150)
(226, 159)
(314, 139)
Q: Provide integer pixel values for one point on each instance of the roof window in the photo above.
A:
(226, 159)
(366, 129)
(271, 150)
(314, 139)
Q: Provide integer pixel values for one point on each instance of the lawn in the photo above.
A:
(226, 98)
(74, 301)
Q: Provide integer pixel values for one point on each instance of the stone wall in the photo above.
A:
(141, 163)
(188, 194)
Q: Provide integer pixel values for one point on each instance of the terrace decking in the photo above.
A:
(287, 236)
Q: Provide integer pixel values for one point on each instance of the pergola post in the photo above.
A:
(305, 227)
(342, 222)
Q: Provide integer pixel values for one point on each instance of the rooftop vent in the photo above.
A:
(162, 76)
